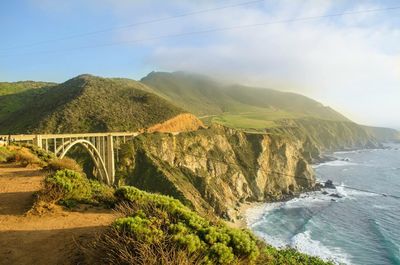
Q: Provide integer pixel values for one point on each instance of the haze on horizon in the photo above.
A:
(349, 62)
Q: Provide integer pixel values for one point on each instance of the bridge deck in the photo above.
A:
(31, 137)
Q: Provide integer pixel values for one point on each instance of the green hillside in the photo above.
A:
(235, 105)
(84, 104)
(14, 96)
(7, 88)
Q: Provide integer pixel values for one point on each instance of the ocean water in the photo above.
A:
(358, 228)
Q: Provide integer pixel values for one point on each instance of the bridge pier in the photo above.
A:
(38, 141)
(110, 159)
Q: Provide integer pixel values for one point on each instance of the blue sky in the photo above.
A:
(351, 63)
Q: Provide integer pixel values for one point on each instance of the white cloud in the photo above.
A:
(349, 63)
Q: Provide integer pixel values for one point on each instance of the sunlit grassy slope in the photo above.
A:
(256, 120)
(14, 96)
(235, 105)
(7, 88)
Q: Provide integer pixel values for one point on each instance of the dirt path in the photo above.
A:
(48, 239)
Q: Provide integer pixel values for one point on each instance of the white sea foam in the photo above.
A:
(336, 163)
(304, 243)
(255, 214)
(273, 241)
(356, 151)
(352, 194)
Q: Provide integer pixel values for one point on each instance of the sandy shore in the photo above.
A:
(241, 222)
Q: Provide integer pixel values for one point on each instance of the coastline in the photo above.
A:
(255, 215)
(241, 222)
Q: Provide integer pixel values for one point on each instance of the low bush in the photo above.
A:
(40, 153)
(69, 187)
(288, 256)
(6, 154)
(157, 229)
(25, 157)
(63, 163)
(165, 224)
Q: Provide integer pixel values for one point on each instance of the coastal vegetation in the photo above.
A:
(175, 191)
(152, 228)
(157, 229)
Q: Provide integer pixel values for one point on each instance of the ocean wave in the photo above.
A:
(347, 152)
(357, 151)
(336, 163)
(254, 215)
(392, 250)
(304, 243)
(345, 192)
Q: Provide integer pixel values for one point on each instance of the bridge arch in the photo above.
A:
(94, 154)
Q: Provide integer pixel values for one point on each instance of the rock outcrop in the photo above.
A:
(216, 169)
(319, 136)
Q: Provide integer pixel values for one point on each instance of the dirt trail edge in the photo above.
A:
(48, 239)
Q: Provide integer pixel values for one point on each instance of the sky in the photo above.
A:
(350, 62)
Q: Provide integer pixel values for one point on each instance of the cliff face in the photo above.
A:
(320, 136)
(216, 169)
(384, 134)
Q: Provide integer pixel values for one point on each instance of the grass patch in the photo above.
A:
(23, 156)
(64, 163)
(253, 120)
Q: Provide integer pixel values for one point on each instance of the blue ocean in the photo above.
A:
(341, 224)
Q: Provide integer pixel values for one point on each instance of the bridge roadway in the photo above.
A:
(100, 146)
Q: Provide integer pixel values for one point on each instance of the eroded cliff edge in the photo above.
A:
(216, 169)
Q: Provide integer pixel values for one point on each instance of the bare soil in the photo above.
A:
(51, 238)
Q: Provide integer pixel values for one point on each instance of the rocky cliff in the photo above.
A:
(319, 136)
(216, 169)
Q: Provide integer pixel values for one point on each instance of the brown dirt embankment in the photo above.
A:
(52, 238)
(181, 123)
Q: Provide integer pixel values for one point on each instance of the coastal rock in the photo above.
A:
(329, 184)
(214, 169)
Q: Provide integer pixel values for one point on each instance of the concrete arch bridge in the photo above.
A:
(102, 147)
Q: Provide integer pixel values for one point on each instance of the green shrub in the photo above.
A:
(169, 219)
(157, 229)
(272, 256)
(69, 187)
(5, 154)
(221, 253)
(102, 193)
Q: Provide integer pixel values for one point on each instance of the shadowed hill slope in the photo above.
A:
(89, 104)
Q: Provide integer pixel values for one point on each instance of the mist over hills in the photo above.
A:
(88, 103)
(204, 96)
